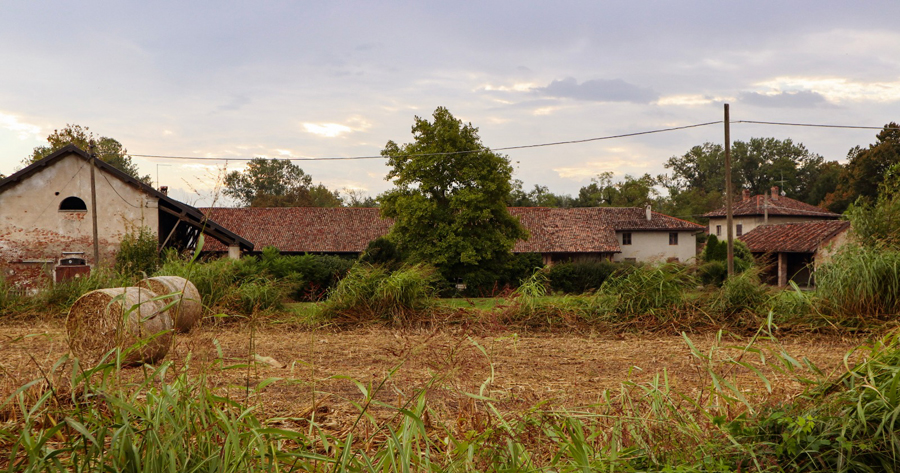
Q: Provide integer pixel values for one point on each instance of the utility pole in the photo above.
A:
(729, 217)
(93, 159)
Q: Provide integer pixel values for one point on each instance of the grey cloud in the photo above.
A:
(800, 99)
(599, 90)
(236, 103)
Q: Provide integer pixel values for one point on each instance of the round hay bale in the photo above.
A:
(119, 317)
(188, 310)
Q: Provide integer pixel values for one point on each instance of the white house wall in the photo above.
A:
(750, 222)
(654, 247)
(34, 230)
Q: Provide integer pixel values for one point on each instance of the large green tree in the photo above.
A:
(866, 169)
(107, 149)
(277, 183)
(878, 222)
(449, 203)
(757, 165)
(603, 191)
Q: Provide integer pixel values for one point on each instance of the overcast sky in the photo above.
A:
(341, 78)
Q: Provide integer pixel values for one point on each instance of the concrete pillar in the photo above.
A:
(548, 259)
(234, 252)
(782, 270)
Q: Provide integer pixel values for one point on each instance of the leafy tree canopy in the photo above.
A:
(878, 223)
(757, 165)
(540, 196)
(866, 169)
(277, 183)
(107, 149)
(604, 192)
(449, 204)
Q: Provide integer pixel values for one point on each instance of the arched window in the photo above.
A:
(72, 204)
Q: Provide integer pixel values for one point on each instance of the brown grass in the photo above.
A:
(519, 370)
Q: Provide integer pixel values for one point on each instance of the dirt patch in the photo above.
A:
(320, 369)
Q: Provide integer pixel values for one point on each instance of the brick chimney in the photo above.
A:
(745, 195)
(164, 190)
(775, 193)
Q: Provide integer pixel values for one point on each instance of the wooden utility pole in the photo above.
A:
(93, 159)
(729, 218)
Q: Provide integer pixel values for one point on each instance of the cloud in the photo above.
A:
(686, 100)
(591, 169)
(599, 90)
(328, 130)
(798, 99)
(23, 130)
(333, 130)
(236, 103)
(835, 89)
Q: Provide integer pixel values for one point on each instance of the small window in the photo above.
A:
(673, 238)
(72, 204)
(739, 229)
(626, 238)
(718, 230)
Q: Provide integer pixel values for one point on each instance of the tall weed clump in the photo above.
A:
(657, 290)
(138, 253)
(741, 293)
(861, 281)
(373, 292)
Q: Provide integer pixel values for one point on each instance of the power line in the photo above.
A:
(814, 125)
(448, 153)
(509, 148)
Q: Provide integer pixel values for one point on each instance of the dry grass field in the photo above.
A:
(320, 371)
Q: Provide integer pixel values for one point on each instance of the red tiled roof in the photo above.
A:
(303, 229)
(349, 230)
(793, 237)
(780, 205)
(635, 218)
(564, 231)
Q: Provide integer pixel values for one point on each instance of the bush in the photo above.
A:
(743, 292)
(371, 292)
(257, 295)
(382, 251)
(716, 252)
(713, 273)
(580, 277)
(138, 253)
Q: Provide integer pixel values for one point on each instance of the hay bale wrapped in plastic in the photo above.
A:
(126, 317)
(187, 309)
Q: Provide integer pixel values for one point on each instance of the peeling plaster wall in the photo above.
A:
(654, 247)
(34, 232)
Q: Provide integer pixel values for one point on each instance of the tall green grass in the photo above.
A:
(374, 293)
(861, 281)
(657, 290)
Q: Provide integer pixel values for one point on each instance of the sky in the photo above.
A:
(340, 78)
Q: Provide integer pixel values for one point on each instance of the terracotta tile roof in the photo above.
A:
(793, 237)
(564, 231)
(303, 229)
(635, 218)
(349, 230)
(781, 205)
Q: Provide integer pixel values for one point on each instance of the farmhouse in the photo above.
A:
(46, 220)
(618, 234)
(765, 209)
(795, 250)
